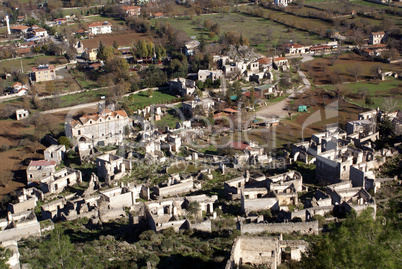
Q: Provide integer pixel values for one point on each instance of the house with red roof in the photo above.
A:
(294, 48)
(40, 169)
(97, 28)
(281, 63)
(132, 11)
(43, 73)
(376, 38)
(19, 29)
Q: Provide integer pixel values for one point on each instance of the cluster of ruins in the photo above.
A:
(345, 163)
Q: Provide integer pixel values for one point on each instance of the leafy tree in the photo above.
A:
(5, 255)
(193, 207)
(359, 242)
(115, 45)
(150, 93)
(63, 140)
(57, 251)
(105, 52)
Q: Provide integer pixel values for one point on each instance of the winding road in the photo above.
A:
(277, 110)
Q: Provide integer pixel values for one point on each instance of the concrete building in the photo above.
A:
(376, 38)
(281, 63)
(59, 180)
(190, 47)
(98, 28)
(282, 3)
(110, 167)
(55, 153)
(212, 74)
(184, 86)
(295, 48)
(175, 185)
(132, 11)
(90, 54)
(21, 114)
(43, 73)
(205, 105)
(120, 197)
(264, 251)
(98, 129)
(40, 169)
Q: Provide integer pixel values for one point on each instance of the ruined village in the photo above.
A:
(164, 134)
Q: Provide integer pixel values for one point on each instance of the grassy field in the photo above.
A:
(241, 23)
(142, 100)
(377, 90)
(83, 80)
(81, 98)
(322, 70)
(98, 18)
(29, 62)
(169, 120)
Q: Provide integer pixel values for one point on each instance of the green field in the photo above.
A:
(82, 98)
(142, 100)
(378, 91)
(254, 28)
(29, 62)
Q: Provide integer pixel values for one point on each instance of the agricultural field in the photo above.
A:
(98, 18)
(378, 91)
(264, 34)
(29, 62)
(123, 39)
(329, 70)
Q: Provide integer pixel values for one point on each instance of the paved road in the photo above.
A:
(277, 110)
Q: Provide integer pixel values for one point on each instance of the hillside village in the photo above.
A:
(152, 134)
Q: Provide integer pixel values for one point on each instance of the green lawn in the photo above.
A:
(83, 80)
(142, 100)
(99, 18)
(82, 98)
(169, 120)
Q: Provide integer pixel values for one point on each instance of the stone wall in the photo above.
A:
(32, 229)
(182, 187)
(248, 205)
(22, 206)
(204, 226)
(290, 227)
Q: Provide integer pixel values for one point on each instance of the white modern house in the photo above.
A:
(98, 28)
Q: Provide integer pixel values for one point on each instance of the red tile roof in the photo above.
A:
(19, 27)
(378, 46)
(158, 14)
(127, 8)
(293, 45)
(95, 116)
(97, 24)
(16, 84)
(264, 60)
(280, 59)
(230, 110)
(239, 145)
(378, 33)
(50, 67)
(24, 51)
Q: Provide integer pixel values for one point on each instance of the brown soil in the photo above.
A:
(327, 70)
(15, 161)
(126, 39)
